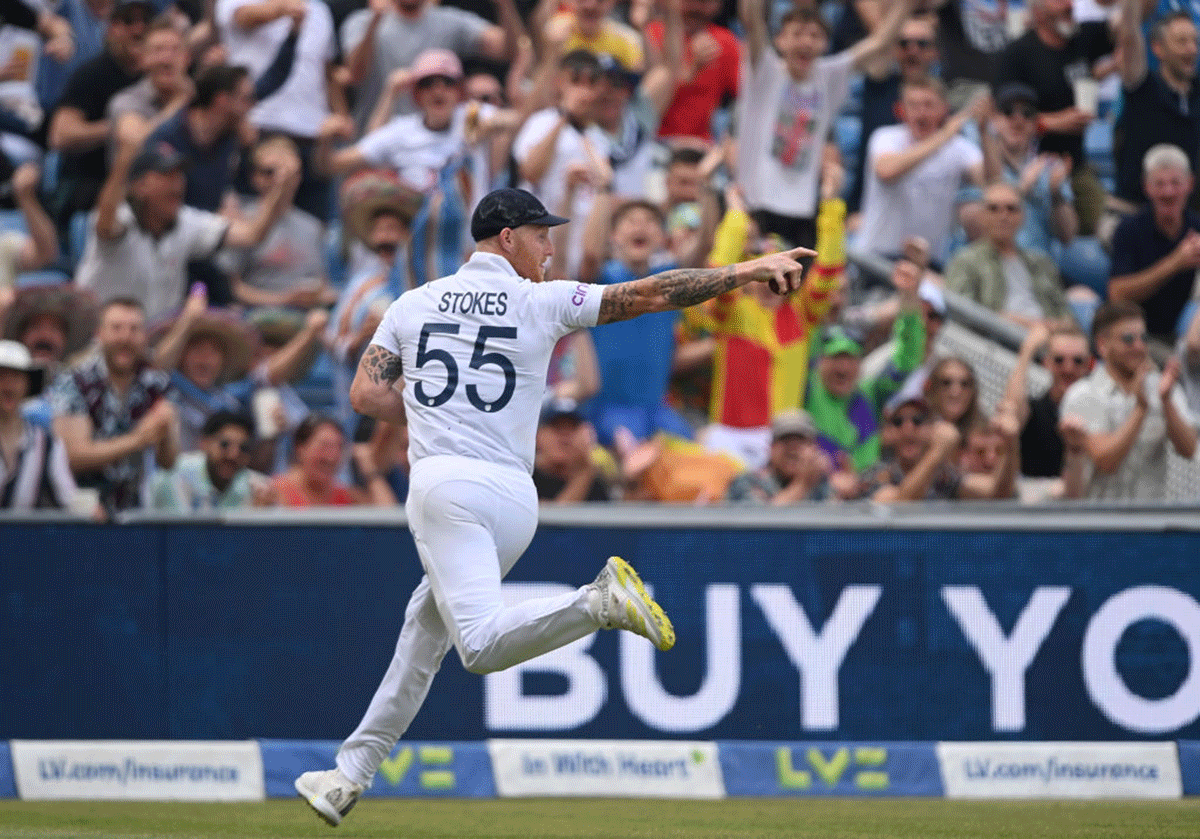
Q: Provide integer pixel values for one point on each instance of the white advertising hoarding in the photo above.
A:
(147, 770)
(1060, 770)
(625, 768)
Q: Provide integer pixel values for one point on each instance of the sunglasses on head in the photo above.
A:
(1019, 108)
(916, 420)
(919, 43)
(1077, 360)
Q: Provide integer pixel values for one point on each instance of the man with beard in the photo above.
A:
(216, 477)
(111, 411)
(165, 88)
(1123, 415)
(796, 469)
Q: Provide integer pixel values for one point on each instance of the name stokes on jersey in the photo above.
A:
(474, 302)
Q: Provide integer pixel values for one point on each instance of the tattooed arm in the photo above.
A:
(376, 388)
(685, 287)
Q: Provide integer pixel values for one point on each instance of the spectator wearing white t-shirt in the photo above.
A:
(252, 31)
(562, 145)
(915, 170)
(786, 105)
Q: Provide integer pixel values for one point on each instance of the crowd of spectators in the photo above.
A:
(207, 209)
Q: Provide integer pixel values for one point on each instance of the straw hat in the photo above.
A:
(15, 356)
(237, 339)
(74, 308)
(366, 193)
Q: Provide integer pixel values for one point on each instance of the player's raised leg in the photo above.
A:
(622, 602)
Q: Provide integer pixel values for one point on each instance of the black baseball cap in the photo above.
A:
(1015, 92)
(156, 157)
(503, 208)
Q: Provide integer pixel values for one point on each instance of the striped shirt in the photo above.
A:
(40, 478)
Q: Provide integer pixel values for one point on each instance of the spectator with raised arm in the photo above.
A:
(389, 35)
(1123, 416)
(707, 69)
(112, 411)
(915, 170)
(1067, 358)
(166, 86)
(1050, 57)
(140, 246)
(788, 100)
(589, 25)
(79, 127)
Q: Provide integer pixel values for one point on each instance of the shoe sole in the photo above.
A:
(319, 805)
(658, 629)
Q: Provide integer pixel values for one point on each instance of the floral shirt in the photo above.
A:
(85, 390)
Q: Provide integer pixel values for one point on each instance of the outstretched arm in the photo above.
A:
(374, 391)
(685, 287)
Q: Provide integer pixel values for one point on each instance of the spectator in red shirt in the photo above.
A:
(709, 76)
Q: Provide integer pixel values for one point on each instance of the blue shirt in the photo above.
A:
(209, 170)
(634, 355)
(1137, 244)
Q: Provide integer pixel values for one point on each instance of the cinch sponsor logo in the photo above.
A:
(626, 765)
(833, 769)
(131, 770)
(1050, 769)
(396, 767)
(581, 291)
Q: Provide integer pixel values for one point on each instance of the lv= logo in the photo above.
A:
(832, 770)
(396, 767)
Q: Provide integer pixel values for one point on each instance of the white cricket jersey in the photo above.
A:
(474, 349)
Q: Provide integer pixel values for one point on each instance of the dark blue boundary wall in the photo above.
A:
(209, 630)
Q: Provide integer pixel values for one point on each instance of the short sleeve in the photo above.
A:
(387, 334)
(354, 29)
(836, 71)
(532, 132)
(65, 397)
(1123, 252)
(565, 306)
(80, 89)
(969, 153)
(1179, 400)
(205, 231)
(468, 28)
(378, 146)
(224, 11)
(1080, 401)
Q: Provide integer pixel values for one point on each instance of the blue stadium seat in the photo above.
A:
(48, 276)
(1098, 146)
(12, 220)
(335, 263)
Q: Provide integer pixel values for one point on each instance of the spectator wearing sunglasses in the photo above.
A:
(1067, 358)
(920, 452)
(1050, 223)
(1021, 285)
(1118, 422)
(217, 476)
(916, 55)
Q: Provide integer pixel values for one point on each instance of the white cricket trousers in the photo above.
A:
(471, 520)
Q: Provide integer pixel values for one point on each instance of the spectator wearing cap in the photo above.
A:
(34, 473)
(1050, 224)
(217, 475)
(562, 155)
(112, 410)
(915, 56)
(920, 452)
(564, 470)
(786, 107)
(1049, 57)
(846, 407)
(1156, 251)
(285, 274)
(589, 25)
(1160, 105)
(387, 36)
(796, 470)
(79, 127)
(1118, 422)
(379, 210)
(216, 362)
(140, 247)
(707, 77)
(1021, 285)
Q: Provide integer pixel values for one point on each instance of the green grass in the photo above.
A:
(614, 819)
